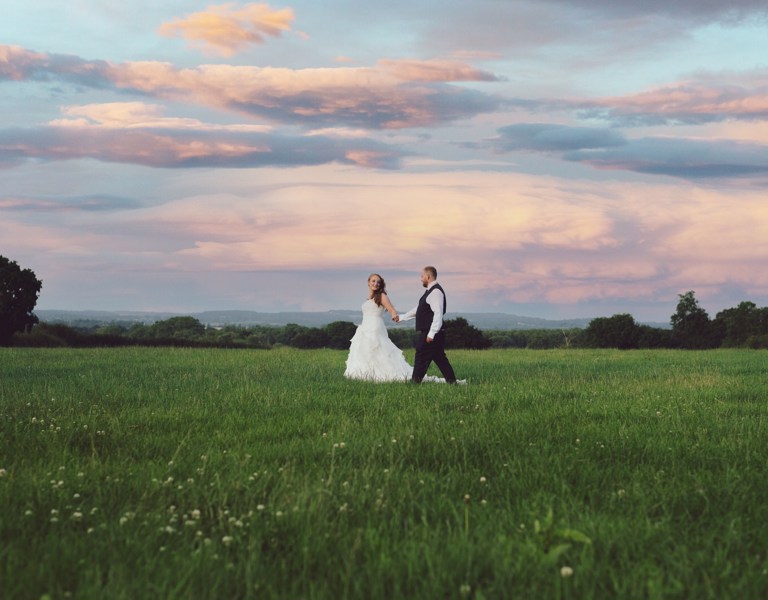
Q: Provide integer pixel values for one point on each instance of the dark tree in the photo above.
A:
(460, 334)
(339, 333)
(182, 328)
(19, 289)
(309, 339)
(653, 338)
(618, 331)
(737, 325)
(691, 327)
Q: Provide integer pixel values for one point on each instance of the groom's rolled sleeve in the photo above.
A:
(411, 314)
(436, 301)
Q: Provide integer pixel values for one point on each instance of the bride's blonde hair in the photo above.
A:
(382, 288)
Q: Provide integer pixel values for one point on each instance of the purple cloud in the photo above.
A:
(183, 148)
(547, 137)
(608, 149)
(389, 95)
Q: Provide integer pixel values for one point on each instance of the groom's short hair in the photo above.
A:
(432, 271)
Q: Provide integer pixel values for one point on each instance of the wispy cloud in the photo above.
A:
(390, 95)
(138, 134)
(690, 10)
(227, 29)
(702, 99)
(139, 115)
(609, 149)
(89, 203)
(542, 240)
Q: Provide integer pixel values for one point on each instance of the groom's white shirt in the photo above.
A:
(436, 301)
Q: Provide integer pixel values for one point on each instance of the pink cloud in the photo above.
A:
(226, 30)
(435, 70)
(394, 94)
(502, 237)
(703, 99)
(139, 115)
(137, 133)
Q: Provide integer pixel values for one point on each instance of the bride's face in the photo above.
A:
(374, 283)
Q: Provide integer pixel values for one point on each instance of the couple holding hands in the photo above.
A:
(373, 356)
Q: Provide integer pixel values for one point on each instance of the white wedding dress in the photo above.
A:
(372, 355)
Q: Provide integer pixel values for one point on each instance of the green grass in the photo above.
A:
(167, 473)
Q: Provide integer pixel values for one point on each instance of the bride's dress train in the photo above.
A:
(372, 355)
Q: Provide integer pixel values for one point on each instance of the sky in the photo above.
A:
(552, 158)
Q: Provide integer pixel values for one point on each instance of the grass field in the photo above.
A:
(167, 473)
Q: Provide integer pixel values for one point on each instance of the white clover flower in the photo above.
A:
(279, 514)
(566, 571)
(196, 514)
(77, 516)
(483, 480)
(260, 507)
(226, 540)
(27, 513)
(3, 472)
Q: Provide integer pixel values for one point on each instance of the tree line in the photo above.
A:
(190, 332)
(745, 326)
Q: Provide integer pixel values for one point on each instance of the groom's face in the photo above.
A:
(425, 278)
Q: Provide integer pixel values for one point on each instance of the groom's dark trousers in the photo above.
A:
(426, 353)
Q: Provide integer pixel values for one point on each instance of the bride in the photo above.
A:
(372, 355)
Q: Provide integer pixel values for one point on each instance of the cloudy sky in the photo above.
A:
(553, 158)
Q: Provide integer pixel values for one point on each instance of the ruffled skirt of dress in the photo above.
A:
(373, 356)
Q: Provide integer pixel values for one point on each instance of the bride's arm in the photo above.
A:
(388, 305)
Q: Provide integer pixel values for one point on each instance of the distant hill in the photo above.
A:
(219, 318)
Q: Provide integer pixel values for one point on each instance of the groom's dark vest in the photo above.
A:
(424, 312)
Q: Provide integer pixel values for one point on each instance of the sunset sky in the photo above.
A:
(552, 158)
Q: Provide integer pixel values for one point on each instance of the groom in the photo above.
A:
(430, 343)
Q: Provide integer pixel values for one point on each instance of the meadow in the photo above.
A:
(177, 473)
